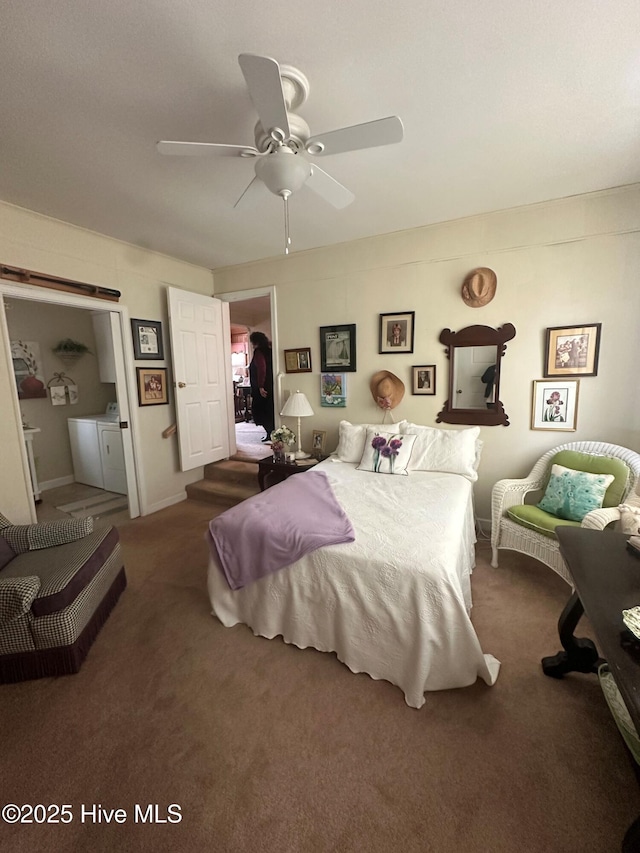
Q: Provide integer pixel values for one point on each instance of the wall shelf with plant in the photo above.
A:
(69, 351)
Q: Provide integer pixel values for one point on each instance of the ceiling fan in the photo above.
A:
(283, 139)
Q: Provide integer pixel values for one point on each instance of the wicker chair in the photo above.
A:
(509, 534)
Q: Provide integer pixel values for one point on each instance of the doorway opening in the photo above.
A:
(76, 425)
(251, 311)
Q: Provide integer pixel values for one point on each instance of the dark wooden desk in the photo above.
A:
(607, 581)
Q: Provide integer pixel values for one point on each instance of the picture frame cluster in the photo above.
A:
(148, 345)
(396, 334)
(570, 353)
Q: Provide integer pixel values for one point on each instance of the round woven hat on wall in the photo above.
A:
(479, 287)
(386, 389)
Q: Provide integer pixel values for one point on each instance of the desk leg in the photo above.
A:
(580, 654)
(631, 842)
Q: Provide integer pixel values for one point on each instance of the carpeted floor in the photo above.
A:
(250, 446)
(249, 433)
(268, 748)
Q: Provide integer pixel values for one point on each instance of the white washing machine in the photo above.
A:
(96, 450)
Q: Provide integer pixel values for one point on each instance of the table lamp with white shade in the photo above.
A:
(297, 406)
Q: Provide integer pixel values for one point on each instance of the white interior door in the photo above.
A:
(201, 356)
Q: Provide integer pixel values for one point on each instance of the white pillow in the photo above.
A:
(386, 452)
(351, 438)
(629, 519)
(452, 451)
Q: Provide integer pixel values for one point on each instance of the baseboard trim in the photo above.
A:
(174, 499)
(55, 484)
(484, 526)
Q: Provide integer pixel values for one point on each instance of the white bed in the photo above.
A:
(396, 602)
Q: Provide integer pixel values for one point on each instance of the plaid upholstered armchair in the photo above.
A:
(59, 581)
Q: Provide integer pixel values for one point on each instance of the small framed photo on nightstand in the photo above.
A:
(317, 443)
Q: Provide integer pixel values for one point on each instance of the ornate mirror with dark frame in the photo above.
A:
(475, 356)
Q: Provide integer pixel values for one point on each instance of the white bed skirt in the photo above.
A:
(395, 603)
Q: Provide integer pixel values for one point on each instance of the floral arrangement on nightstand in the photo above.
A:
(281, 438)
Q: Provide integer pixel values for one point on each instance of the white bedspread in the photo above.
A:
(395, 603)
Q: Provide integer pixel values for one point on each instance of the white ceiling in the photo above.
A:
(504, 102)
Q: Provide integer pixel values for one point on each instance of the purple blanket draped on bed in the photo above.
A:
(277, 527)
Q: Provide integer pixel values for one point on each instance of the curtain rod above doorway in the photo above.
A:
(55, 283)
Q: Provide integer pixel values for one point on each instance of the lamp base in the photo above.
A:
(300, 454)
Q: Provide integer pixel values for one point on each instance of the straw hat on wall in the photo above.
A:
(386, 389)
(479, 287)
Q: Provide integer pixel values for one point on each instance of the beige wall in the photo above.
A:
(569, 261)
(48, 325)
(46, 245)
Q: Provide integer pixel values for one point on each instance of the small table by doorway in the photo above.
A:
(271, 472)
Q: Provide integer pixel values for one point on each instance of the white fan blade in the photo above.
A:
(328, 188)
(204, 148)
(254, 181)
(383, 131)
(262, 76)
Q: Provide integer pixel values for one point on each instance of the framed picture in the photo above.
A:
(396, 332)
(317, 442)
(297, 360)
(572, 350)
(423, 379)
(333, 390)
(152, 386)
(338, 348)
(147, 339)
(555, 404)
(28, 370)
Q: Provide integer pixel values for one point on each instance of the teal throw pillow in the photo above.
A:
(572, 494)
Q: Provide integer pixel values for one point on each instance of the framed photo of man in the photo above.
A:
(423, 379)
(297, 360)
(396, 332)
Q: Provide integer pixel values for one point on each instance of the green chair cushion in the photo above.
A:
(537, 519)
(597, 465)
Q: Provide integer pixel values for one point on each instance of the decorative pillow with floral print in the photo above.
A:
(386, 452)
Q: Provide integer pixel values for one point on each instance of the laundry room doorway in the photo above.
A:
(75, 409)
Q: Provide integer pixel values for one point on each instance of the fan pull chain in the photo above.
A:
(287, 238)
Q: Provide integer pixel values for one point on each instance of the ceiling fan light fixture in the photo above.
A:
(283, 138)
(283, 171)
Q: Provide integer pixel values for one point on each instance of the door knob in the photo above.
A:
(182, 384)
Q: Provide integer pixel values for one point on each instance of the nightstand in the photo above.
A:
(271, 472)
